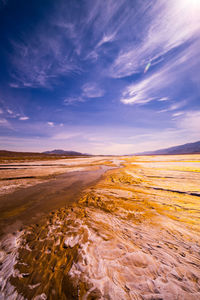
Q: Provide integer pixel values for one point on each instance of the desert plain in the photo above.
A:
(100, 228)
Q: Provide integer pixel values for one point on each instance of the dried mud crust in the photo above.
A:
(123, 240)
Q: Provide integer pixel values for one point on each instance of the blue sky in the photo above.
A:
(99, 76)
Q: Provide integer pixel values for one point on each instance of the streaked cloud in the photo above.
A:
(88, 90)
(106, 39)
(24, 118)
(177, 114)
(163, 99)
(173, 107)
(72, 100)
(92, 90)
(10, 111)
(166, 25)
(159, 84)
(147, 89)
(14, 85)
(40, 59)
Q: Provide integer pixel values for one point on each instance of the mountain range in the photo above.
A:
(63, 152)
(189, 148)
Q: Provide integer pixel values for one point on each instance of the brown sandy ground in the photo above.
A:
(134, 235)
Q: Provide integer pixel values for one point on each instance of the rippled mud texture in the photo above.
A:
(134, 235)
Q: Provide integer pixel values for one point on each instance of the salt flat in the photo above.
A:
(133, 234)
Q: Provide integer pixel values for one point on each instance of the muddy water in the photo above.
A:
(30, 204)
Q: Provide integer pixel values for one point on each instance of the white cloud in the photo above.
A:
(106, 39)
(147, 89)
(23, 118)
(72, 100)
(93, 55)
(51, 124)
(40, 58)
(159, 85)
(14, 85)
(1, 111)
(12, 114)
(10, 111)
(91, 90)
(169, 24)
(28, 84)
(174, 106)
(177, 114)
(163, 99)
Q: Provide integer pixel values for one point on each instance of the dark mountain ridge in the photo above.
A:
(54, 153)
(189, 148)
(64, 152)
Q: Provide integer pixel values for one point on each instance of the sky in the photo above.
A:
(99, 76)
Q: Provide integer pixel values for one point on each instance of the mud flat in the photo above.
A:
(135, 234)
(15, 175)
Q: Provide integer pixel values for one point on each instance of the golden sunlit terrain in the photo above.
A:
(132, 234)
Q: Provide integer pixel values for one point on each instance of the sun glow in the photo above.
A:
(186, 17)
(190, 8)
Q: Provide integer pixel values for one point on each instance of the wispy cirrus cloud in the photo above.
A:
(92, 90)
(165, 81)
(178, 114)
(106, 18)
(88, 90)
(72, 100)
(58, 46)
(107, 38)
(165, 26)
(163, 99)
(147, 89)
(38, 60)
(172, 107)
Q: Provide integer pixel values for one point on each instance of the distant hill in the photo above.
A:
(63, 152)
(7, 153)
(13, 156)
(190, 148)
